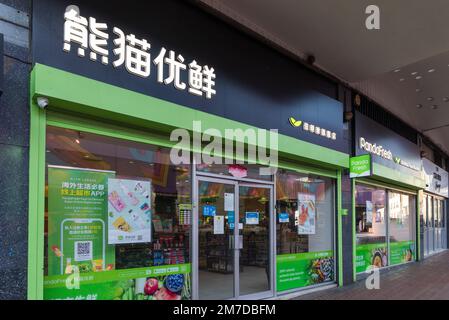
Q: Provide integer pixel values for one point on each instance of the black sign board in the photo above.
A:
(386, 147)
(254, 84)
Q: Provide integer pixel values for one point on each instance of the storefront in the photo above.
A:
(113, 215)
(387, 179)
(434, 209)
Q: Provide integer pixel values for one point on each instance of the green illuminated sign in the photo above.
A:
(360, 166)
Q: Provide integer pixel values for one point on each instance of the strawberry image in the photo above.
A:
(304, 215)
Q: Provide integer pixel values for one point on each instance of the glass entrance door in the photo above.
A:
(425, 226)
(434, 225)
(234, 240)
(254, 239)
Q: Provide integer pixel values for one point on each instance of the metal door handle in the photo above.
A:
(231, 242)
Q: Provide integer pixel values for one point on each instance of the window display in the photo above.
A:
(401, 227)
(371, 231)
(304, 230)
(118, 220)
(385, 227)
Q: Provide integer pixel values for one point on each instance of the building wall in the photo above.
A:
(14, 147)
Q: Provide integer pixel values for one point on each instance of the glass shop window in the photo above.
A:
(304, 230)
(401, 212)
(424, 211)
(371, 237)
(117, 220)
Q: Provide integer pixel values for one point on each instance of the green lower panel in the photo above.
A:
(375, 254)
(155, 283)
(371, 254)
(402, 252)
(304, 269)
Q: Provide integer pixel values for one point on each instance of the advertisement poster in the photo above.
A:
(153, 283)
(284, 217)
(373, 254)
(304, 269)
(402, 252)
(129, 211)
(306, 213)
(231, 219)
(219, 224)
(376, 254)
(77, 221)
(229, 202)
(209, 211)
(369, 213)
(252, 218)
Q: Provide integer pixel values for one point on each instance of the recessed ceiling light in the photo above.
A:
(418, 77)
(397, 70)
(446, 99)
(414, 73)
(418, 90)
(430, 99)
(402, 79)
(419, 106)
(434, 107)
(431, 70)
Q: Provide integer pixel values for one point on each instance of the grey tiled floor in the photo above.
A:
(425, 280)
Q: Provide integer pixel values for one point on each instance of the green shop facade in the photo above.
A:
(388, 181)
(113, 216)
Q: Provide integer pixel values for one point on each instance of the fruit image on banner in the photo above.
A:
(402, 252)
(304, 269)
(373, 254)
(170, 282)
(376, 254)
(77, 221)
(170, 287)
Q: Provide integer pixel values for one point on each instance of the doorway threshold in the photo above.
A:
(292, 295)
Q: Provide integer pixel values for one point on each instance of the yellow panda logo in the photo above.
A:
(295, 123)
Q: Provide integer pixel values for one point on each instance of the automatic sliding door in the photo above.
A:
(216, 254)
(255, 205)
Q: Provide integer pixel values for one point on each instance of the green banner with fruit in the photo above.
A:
(373, 254)
(402, 252)
(376, 254)
(170, 282)
(304, 269)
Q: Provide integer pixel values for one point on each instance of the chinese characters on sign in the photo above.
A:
(134, 54)
(313, 129)
(319, 131)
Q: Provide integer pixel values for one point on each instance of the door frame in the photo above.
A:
(237, 183)
(272, 241)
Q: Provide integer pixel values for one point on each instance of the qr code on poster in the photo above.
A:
(83, 250)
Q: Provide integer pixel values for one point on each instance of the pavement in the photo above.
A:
(424, 280)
